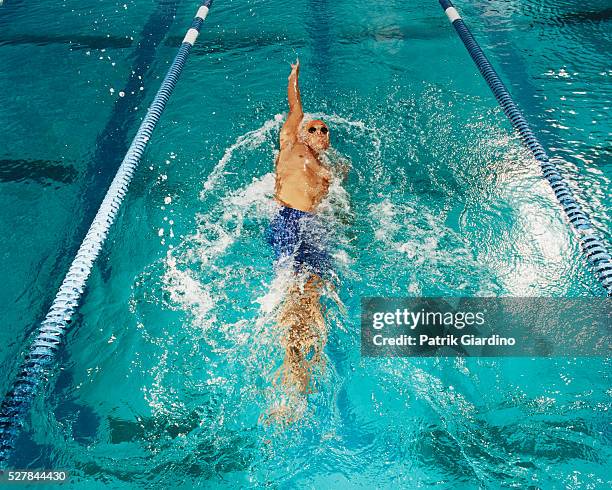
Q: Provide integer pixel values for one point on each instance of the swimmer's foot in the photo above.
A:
(288, 411)
(293, 380)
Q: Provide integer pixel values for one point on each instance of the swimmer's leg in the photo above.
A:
(303, 334)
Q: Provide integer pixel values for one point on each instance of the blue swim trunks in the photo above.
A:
(300, 235)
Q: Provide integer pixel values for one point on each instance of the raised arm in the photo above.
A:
(289, 132)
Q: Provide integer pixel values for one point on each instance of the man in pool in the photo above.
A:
(297, 237)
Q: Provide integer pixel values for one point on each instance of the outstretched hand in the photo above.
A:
(295, 68)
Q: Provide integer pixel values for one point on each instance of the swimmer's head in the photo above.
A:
(315, 134)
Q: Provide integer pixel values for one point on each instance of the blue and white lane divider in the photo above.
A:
(42, 354)
(590, 241)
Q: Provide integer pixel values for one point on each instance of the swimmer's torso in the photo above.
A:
(302, 181)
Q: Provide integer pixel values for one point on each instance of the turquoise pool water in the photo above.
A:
(167, 368)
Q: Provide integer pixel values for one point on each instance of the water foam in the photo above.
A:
(198, 275)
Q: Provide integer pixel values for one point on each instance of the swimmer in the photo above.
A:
(299, 239)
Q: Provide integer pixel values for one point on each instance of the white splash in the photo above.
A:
(195, 272)
(252, 139)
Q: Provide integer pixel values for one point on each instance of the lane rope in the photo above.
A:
(591, 242)
(42, 353)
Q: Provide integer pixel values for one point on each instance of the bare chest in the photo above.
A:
(300, 160)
